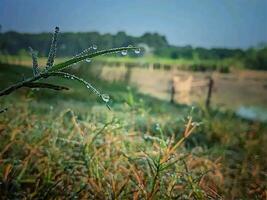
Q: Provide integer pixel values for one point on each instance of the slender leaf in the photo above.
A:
(53, 49)
(71, 76)
(35, 68)
(74, 60)
(46, 85)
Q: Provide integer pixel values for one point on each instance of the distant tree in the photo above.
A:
(174, 55)
(256, 59)
(72, 43)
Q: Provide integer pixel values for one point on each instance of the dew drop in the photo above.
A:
(88, 86)
(71, 78)
(88, 60)
(105, 97)
(137, 51)
(157, 126)
(124, 52)
(94, 47)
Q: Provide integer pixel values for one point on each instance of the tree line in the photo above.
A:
(14, 43)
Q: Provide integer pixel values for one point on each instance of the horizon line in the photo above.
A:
(263, 43)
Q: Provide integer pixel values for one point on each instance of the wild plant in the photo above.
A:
(56, 70)
(88, 159)
(70, 160)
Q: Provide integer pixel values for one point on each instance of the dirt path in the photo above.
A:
(238, 88)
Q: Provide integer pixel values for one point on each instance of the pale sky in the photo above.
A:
(206, 23)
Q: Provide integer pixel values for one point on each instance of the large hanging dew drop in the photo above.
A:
(94, 47)
(137, 51)
(105, 98)
(157, 126)
(124, 52)
(88, 60)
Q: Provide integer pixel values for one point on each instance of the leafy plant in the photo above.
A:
(57, 70)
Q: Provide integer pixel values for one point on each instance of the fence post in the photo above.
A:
(210, 86)
(128, 73)
(172, 91)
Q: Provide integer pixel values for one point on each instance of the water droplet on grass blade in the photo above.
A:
(94, 47)
(137, 51)
(88, 60)
(157, 126)
(105, 98)
(124, 52)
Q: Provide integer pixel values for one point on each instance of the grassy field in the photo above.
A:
(230, 91)
(223, 65)
(69, 145)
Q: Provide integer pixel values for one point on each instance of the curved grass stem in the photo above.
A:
(57, 68)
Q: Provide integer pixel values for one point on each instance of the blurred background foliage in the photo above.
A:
(14, 43)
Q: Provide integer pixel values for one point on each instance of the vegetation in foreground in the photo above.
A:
(69, 145)
(150, 167)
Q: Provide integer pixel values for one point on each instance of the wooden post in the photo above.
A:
(172, 91)
(210, 85)
(150, 66)
(128, 73)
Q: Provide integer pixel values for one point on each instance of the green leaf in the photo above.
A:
(3, 110)
(53, 49)
(46, 85)
(72, 61)
(73, 77)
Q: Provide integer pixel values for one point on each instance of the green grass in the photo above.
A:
(186, 64)
(68, 145)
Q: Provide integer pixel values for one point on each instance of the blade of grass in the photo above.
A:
(45, 85)
(74, 60)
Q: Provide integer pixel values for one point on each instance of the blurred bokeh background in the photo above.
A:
(210, 54)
